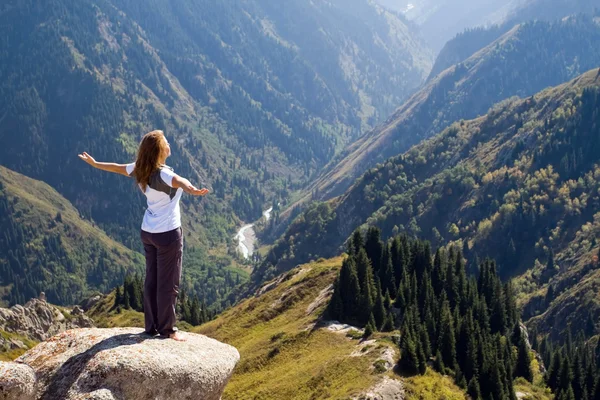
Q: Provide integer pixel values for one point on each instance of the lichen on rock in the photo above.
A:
(125, 363)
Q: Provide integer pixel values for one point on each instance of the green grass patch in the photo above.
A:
(282, 355)
(433, 386)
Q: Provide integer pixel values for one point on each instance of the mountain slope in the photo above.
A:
(47, 246)
(525, 60)
(288, 351)
(518, 185)
(251, 109)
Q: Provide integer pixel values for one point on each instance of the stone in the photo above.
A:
(39, 320)
(17, 381)
(126, 364)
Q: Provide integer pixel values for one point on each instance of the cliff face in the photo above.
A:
(119, 364)
(38, 320)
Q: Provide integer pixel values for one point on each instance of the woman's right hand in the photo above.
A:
(199, 192)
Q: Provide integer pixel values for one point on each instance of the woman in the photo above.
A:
(161, 228)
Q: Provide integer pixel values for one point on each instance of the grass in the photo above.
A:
(11, 354)
(433, 386)
(282, 356)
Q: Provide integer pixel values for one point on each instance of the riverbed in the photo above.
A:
(246, 236)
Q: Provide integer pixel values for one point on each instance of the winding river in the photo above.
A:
(246, 236)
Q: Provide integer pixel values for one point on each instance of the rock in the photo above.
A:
(387, 389)
(87, 304)
(39, 320)
(323, 297)
(126, 364)
(17, 381)
(76, 311)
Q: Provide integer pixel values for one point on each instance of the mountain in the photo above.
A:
(440, 20)
(46, 246)
(289, 350)
(523, 61)
(253, 101)
(518, 185)
(468, 42)
(552, 9)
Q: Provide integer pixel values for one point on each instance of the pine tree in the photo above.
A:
(388, 326)
(438, 365)
(523, 367)
(368, 330)
(118, 297)
(336, 305)
(379, 309)
(473, 389)
(367, 286)
(356, 243)
(446, 340)
(553, 373)
(195, 314)
(398, 259)
(126, 297)
(349, 289)
(409, 360)
(374, 248)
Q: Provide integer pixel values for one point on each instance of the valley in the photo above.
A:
(404, 197)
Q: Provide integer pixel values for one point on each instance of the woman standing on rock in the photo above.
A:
(161, 228)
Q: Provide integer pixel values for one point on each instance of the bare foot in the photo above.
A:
(177, 336)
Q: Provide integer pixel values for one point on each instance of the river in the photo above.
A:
(246, 236)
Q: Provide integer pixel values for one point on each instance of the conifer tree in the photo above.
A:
(118, 297)
(446, 339)
(409, 360)
(439, 363)
(379, 309)
(367, 286)
(374, 248)
(473, 389)
(357, 242)
(398, 259)
(523, 367)
(336, 306)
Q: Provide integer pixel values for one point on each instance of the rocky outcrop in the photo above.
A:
(38, 320)
(126, 364)
(387, 389)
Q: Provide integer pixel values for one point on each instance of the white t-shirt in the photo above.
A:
(162, 214)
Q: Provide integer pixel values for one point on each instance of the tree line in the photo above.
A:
(130, 296)
(468, 327)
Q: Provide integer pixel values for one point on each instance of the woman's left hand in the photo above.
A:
(88, 159)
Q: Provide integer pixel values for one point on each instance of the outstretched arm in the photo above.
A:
(179, 182)
(104, 166)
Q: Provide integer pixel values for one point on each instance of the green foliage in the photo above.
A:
(505, 183)
(466, 322)
(46, 246)
(131, 296)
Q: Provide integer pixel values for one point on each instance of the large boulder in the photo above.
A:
(17, 381)
(126, 364)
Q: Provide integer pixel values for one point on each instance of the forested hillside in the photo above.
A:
(525, 60)
(475, 38)
(46, 246)
(250, 102)
(518, 185)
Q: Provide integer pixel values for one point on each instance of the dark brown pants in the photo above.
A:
(164, 253)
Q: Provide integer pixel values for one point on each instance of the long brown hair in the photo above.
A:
(152, 152)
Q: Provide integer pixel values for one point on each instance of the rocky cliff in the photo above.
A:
(38, 320)
(119, 364)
